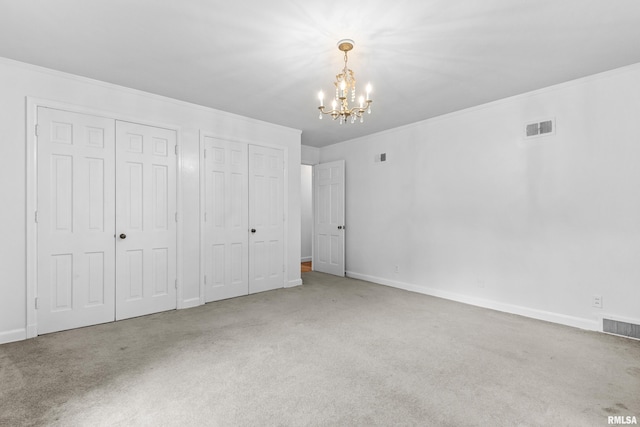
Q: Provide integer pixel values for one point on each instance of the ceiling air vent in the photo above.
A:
(540, 128)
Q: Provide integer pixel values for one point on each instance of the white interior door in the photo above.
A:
(226, 219)
(328, 217)
(76, 265)
(266, 218)
(145, 220)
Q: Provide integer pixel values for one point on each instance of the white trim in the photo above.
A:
(285, 212)
(32, 105)
(108, 114)
(180, 304)
(202, 202)
(562, 319)
(293, 283)
(31, 196)
(313, 216)
(306, 258)
(14, 335)
(191, 302)
(137, 92)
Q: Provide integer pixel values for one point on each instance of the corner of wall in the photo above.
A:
(293, 283)
(309, 155)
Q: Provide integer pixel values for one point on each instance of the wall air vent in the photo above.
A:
(621, 328)
(382, 157)
(540, 128)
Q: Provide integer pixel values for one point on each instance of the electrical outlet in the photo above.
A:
(397, 269)
(597, 301)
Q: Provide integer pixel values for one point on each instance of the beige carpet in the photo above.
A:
(332, 352)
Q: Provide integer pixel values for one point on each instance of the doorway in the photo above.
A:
(306, 219)
(322, 209)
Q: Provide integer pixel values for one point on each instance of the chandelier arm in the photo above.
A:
(347, 112)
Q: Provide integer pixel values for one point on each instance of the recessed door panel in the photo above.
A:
(95, 264)
(160, 195)
(160, 270)
(96, 184)
(131, 284)
(62, 196)
(62, 282)
(132, 183)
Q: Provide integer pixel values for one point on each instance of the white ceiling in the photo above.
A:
(269, 59)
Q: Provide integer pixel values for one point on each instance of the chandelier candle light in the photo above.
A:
(346, 85)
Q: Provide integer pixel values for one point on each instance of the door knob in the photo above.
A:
(339, 227)
(253, 230)
(123, 236)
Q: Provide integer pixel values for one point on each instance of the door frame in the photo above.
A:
(31, 274)
(313, 210)
(210, 134)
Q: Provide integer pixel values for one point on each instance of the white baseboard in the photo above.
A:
(190, 303)
(14, 335)
(562, 319)
(306, 259)
(32, 331)
(293, 283)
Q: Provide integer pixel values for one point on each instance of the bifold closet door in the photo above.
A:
(266, 218)
(75, 220)
(106, 220)
(146, 216)
(243, 239)
(226, 219)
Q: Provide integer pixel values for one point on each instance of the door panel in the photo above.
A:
(76, 263)
(226, 219)
(145, 220)
(266, 217)
(328, 183)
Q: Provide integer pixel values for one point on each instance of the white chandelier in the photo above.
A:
(346, 88)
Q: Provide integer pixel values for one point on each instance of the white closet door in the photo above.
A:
(329, 226)
(266, 219)
(145, 220)
(226, 219)
(76, 265)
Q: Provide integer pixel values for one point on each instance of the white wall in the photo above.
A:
(18, 81)
(309, 155)
(306, 212)
(470, 211)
